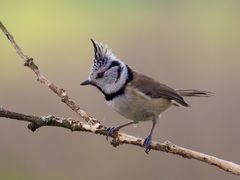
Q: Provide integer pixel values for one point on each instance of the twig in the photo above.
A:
(28, 62)
(94, 126)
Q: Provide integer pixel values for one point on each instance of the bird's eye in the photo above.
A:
(100, 75)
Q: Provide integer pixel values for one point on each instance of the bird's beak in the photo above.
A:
(87, 82)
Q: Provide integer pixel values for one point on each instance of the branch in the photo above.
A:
(119, 138)
(28, 62)
(94, 126)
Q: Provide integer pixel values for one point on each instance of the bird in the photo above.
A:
(133, 95)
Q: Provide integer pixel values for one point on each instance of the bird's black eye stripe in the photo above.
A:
(113, 63)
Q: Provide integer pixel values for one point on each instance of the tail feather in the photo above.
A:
(194, 93)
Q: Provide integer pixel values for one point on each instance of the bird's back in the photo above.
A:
(154, 89)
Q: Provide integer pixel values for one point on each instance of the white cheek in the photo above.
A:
(112, 88)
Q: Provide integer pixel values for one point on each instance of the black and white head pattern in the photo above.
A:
(108, 73)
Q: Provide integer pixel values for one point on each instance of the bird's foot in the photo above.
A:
(147, 144)
(111, 131)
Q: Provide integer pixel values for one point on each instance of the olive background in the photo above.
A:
(184, 44)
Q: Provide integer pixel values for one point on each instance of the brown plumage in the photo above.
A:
(194, 93)
(155, 89)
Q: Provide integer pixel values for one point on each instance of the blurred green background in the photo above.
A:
(185, 44)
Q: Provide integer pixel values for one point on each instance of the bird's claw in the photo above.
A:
(111, 131)
(147, 144)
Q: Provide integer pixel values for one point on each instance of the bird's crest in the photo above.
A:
(101, 54)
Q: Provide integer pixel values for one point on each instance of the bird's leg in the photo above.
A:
(112, 130)
(147, 141)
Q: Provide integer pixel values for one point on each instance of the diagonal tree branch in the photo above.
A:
(28, 62)
(94, 126)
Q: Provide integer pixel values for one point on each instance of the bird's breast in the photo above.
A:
(136, 106)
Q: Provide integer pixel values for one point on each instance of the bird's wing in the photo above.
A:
(154, 89)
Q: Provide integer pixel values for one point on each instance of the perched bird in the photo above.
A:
(133, 95)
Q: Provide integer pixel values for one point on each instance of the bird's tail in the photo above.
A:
(194, 93)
